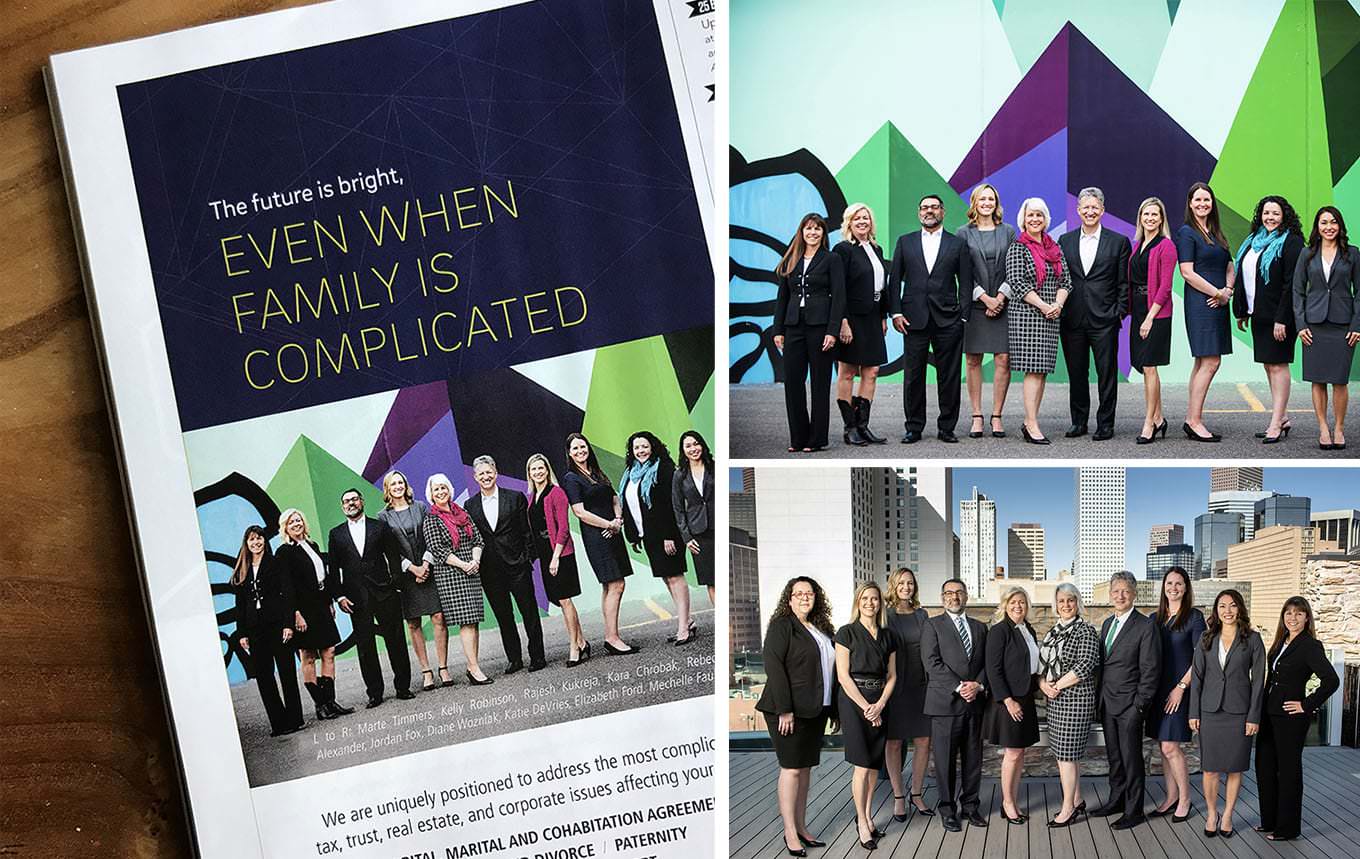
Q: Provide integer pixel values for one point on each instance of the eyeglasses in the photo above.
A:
(955, 593)
(803, 596)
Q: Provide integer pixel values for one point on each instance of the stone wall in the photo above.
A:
(1332, 587)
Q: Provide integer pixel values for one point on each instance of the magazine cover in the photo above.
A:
(407, 318)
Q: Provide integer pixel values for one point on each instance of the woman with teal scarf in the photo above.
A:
(1264, 303)
(649, 520)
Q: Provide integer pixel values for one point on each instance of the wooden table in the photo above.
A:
(86, 763)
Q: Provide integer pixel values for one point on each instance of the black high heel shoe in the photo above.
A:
(475, 682)
(924, 812)
(1161, 429)
(997, 433)
(900, 818)
(800, 852)
(1019, 819)
(810, 842)
(1024, 430)
(1146, 439)
(1181, 818)
(972, 433)
(1286, 426)
(1276, 439)
(1194, 436)
(614, 651)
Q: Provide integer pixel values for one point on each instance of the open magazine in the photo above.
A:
(406, 314)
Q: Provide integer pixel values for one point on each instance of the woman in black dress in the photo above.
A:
(1011, 721)
(419, 596)
(903, 720)
(800, 678)
(264, 621)
(1181, 625)
(1265, 300)
(808, 309)
(862, 347)
(1327, 312)
(649, 521)
(1152, 264)
(1295, 658)
(987, 330)
(556, 554)
(867, 672)
(692, 498)
(316, 634)
(600, 513)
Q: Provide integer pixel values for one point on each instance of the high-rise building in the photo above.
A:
(1242, 479)
(1282, 510)
(902, 519)
(1165, 535)
(743, 618)
(1027, 552)
(1241, 502)
(1338, 530)
(1274, 564)
(748, 480)
(807, 526)
(1163, 558)
(1214, 533)
(741, 511)
(977, 540)
(1098, 544)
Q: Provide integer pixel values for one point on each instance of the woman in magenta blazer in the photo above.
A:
(556, 554)
(1151, 266)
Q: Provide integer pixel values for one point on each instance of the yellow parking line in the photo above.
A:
(1256, 404)
(656, 609)
(668, 617)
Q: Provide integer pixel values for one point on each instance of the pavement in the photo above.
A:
(758, 428)
(659, 673)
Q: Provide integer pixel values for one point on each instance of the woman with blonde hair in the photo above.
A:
(419, 595)
(867, 671)
(987, 331)
(316, 634)
(556, 554)
(904, 720)
(1012, 721)
(863, 348)
(455, 547)
(1152, 263)
(1040, 283)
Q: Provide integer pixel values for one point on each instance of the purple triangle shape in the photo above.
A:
(1035, 110)
(1040, 172)
(413, 413)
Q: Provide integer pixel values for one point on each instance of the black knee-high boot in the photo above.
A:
(323, 711)
(862, 414)
(852, 433)
(336, 709)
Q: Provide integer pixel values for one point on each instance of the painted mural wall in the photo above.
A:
(882, 101)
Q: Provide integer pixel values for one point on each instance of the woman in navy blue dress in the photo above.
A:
(1181, 626)
(1207, 267)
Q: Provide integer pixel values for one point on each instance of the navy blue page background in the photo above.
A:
(570, 101)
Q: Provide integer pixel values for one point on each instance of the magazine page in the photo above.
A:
(408, 334)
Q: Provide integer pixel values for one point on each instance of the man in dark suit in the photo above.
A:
(953, 647)
(507, 563)
(365, 559)
(1130, 666)
(1099, 263)
(929, 293)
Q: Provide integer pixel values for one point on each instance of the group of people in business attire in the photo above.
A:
(1015, 293)
(946, 683)
(445, 561)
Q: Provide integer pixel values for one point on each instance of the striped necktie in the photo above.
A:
(963, 633)
(1109, 639)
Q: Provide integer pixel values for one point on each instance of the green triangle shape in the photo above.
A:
(1346, 196)
(633, 387)
(890, 176)
(703, 416)
(1341, 92)
(1278, 142)
(1000, 7)
(1338, 31)
(312, 480)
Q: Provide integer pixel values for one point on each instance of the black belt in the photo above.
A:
(869, 682)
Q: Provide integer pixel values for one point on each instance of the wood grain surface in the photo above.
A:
(87, 766)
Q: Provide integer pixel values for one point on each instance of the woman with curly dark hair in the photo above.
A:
(1265, 263)
(800, 670)
(649, 520)
(1327, 311)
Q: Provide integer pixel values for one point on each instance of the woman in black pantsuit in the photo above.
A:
(1294, 659)
(1011, 720)
(904, 720)
(1327, 312)
(808, 309)
(867, 671)
(1265, 272)
(863, 348)
(264, 620)
(800, 672)
(649, 521)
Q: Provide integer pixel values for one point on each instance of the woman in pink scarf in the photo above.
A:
(1040, 283)
(456, 546)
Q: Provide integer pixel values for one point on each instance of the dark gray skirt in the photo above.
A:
(986, 335)
(1224, 746)
(1328, 360)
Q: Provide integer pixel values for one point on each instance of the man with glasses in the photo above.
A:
(929, 292)
(952, 650)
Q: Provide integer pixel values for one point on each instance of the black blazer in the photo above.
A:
(947, 664)
(821, 292)
(1100, 297)
(1008, 674)
(1334, 299)
(1129, 673)
(509, 547)
(309, 594)
(372, 576)
(1288, 679)
(658, 520)
(859, 280)
(793, 671)
(693, 505)
(1274, 300)
(940, 296)
(277, 602)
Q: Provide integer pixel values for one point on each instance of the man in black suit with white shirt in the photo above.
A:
(365, 559)
(929, 293)
(507, 563)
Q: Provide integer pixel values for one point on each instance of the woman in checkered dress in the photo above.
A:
(1068, 658)
(1040, 283)
(456, 546)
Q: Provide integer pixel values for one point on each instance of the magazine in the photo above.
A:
(406, 317)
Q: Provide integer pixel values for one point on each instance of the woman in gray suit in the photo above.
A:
(986, 333)
(1327, 312)
(1227, 688)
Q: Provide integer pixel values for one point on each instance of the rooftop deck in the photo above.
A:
(1331, 818)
